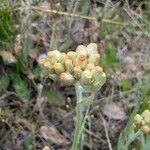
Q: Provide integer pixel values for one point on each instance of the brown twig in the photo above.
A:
(83, 17)
(106, 132)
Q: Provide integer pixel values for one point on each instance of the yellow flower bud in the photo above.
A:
(47, 64)
(81, 61)
(77, 72)
(63, 57)
(98, 82)
(48, 68)
(86, 78)
(53, 77)
(58, 67)
(137, 119)
(53, 53)
(97, 72)
(93, 80)
(53, 56)
(46, 148)
(72, 55)
(90, 66)
(142, 122)
(146, 116)
(81, 50)
(145, 129)
(98, 69)
(82, 58)
(69, 65)
(94, 58)
(67, 78)
(42, 61)
(91, 48)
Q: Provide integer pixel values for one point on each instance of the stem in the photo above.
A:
(79, 118)
(139, 132)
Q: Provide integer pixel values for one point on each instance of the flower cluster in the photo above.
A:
(75, 66)
(143, 121)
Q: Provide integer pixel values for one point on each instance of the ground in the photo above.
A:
(36, 111)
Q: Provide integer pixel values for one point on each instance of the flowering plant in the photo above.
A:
(79, 68)
(142, 121)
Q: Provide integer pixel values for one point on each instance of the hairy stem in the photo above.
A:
(79, 118)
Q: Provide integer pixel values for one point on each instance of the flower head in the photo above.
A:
(143, 121)
(75, 66)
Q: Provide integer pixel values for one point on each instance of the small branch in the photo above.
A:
(39, 101)
(84, 17)
(7, 94)
(106, 132)
(59, 12)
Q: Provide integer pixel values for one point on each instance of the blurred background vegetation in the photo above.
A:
(28, 101)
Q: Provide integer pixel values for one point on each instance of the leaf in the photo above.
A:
(20, 64)
(109, 60)
(7, 57)
(106, 9)
(36, 72)
(4, 82)
(110, 56)
(145, 99)
(86, 101)
(8, 20)
(28, 143)
(27, 45)
(20, 86)
(128, 132)
(54, 97)
(21, 89)
(114, 110)
(147, 143)
(51, 133)
(65, 46)
(125, 84)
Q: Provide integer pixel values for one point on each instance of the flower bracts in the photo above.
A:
(143, 121)
(71, 67)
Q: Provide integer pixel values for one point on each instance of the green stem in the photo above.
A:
(79, 118)
(139, 132)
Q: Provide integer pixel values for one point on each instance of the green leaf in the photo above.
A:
(54, 97)
(125, 84)
(128, 134)
(106, 8)
(145, 99)
(109, 60)
(4, 82)
(37, 71)
(27, 46)
(20, 64)
(28, 143)
(86, 101)
(7, 22)
(146, 145)
(110, 55)
(20, 86)
(65, 46)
